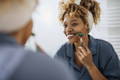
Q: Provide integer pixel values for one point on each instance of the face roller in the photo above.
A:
(81, 40)
(80, 34)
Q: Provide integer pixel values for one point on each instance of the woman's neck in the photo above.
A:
(82, 43)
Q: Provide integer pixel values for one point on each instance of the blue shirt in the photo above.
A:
(104, 57)
(17, 63)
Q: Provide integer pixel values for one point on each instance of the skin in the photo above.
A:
(23, 34)
(73, 25)
(83, 55)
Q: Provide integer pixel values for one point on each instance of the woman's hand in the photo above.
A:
(84, 56)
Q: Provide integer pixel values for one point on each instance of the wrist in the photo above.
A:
(90, 66)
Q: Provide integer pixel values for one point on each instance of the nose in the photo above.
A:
(68, 30)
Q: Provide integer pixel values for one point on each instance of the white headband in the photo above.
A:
(90, 20)
(77, 2)
(16, 16)
(90, 17)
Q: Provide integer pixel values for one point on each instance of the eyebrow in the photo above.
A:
(73, 20)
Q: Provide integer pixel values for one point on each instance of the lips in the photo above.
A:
(70, 36)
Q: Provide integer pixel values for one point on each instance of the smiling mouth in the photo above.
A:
(70, 36)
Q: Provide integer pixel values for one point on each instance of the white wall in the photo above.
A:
(48, 30)
(113, 21)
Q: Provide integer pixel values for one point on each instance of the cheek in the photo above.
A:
(86, 30)
(78, 29)
(74, 39)
(64, 31)
(83, 29)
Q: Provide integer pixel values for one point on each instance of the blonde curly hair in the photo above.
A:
(70, 8)
(94, 7)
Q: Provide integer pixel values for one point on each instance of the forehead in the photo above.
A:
(68, 19)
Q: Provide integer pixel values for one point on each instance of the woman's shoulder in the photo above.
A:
(106, 48)
(103, 43)
(102, 46)
(100, 42)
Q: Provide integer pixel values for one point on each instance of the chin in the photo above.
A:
(72, 41)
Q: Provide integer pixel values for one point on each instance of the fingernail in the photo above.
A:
(80, 47)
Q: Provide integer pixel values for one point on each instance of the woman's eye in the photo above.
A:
(74, 24)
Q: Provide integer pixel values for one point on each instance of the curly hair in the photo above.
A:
(73, 10)
(80, 10)
(94, 7)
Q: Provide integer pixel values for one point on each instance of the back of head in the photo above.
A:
(14, 14)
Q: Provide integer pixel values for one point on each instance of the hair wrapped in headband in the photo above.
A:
(94, 7)
(14, 14)
(72, 6)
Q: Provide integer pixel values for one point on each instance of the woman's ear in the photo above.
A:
(23, 34)
(26, 32)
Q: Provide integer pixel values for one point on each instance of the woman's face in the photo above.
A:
(72, 26)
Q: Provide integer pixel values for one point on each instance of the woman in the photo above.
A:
(89, 58)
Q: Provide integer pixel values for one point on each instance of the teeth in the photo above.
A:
(69, 35)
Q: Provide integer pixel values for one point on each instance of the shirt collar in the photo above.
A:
(5, 38)
(92, 47)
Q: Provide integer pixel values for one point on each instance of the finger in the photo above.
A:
(88, 50)
(82, 44)
(79, 51)
(83, 51)
(79, 57)
(80, 54)
(81, 41)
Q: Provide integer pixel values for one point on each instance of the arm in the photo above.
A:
(85, 57)
(109, 64)
(95, 73)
